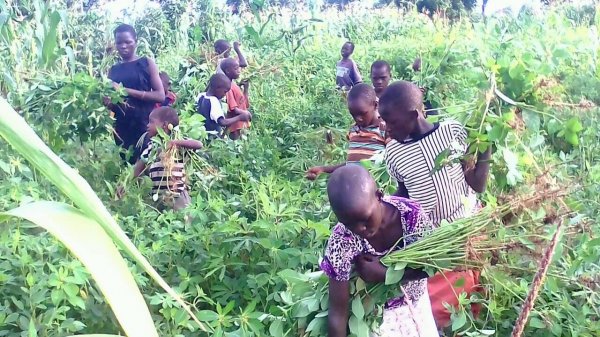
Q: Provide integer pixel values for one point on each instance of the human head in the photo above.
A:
(355, 199)
(231, 68)
(381, 73)
(219, 85)
(222, 47)
(401, 106)
(347, 49)
(362, 104)
(125, 41)
(164, 117)
(166, 81)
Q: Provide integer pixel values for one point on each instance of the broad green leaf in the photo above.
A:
(276, 328)
(358, 327)
(15, 130)
(393, 276)
(535, 322)
(459, 321)
(95, 249)
(532, 120)
(357, 308)
(207, 315)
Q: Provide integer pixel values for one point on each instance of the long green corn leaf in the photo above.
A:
(95, 249)
(15, 130)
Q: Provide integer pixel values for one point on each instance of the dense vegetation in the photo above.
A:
(527, 85)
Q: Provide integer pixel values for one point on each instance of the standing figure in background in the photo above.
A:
(139, 77)
(223, 50)
(237, 100)
(209, 106)
(170, 96)
(347, 74)
(381, 74)
(447, 193)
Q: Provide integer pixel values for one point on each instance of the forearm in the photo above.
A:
(478, 176)
(336, 324)
(239, 111)
(331, 168)
(229, 121)
(151, 96)
(241, 59)
(190, 144)
(139, 168)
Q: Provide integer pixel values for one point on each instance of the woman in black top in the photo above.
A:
(140, 78)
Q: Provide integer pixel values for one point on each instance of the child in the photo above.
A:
(170, 96)
(209, 106)
(381, 74)
(237, 100)
(347, 74)
(223, 50)
(167, 174)
(445, 194)
(367, 136)
(370, 225)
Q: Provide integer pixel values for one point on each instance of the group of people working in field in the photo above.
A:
(147, 109)
(391, 118)
(388, 118)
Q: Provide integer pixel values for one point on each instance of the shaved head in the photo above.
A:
(351, 190)
(401, 94)
(228, 63)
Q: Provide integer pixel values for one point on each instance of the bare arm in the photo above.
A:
(139, 168)
(190, 144)
(228, 121)
(157, 94)
(339, 298)
(477, 175)
(241, 58)
(401, 191)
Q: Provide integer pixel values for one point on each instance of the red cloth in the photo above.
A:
(440, 287)
(236, 99)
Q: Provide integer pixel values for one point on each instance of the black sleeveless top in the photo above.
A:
(133, 113)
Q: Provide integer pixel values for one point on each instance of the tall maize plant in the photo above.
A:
(89, 222)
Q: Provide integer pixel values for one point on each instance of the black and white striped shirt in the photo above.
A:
(444, 194)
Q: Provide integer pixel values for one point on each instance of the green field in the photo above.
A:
(528, 85)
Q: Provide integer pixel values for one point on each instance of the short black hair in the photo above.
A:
(401, 93)
(166, 114)
(227, 63)
(349, 187)
(381, 64)
(125, 28)
(362, 90)
(222, 45)
(351, 44)
(218, 80)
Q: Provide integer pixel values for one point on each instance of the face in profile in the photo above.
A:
(222, 90)
(400, 122)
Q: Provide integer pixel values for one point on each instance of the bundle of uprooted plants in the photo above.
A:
(477, 241)
(522, 225)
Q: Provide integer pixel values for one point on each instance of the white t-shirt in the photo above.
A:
(216, 107)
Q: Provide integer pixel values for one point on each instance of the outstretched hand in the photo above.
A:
(370, 269)
(236, 45)
(313, 172)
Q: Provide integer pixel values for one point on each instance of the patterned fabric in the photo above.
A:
(365, 142)
(344, 246)
(444, 194)
(404, 316)
(165, 176)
